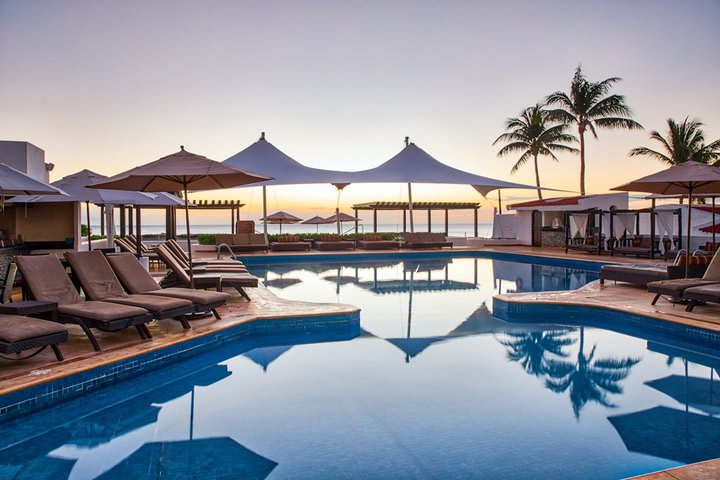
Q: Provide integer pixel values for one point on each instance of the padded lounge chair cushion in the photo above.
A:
(47, 280)
(153, 303)
(132, 274)
(101, 311)
(707, 293)
(200, 297)
(675, 288)
(16, 328)
(97, 278)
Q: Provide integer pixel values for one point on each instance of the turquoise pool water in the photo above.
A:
(428, 385)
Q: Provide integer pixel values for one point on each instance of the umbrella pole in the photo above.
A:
(410, 208)
(689, 225)
(713, 214)
(265, 213)
(89, 235)
(187, 229)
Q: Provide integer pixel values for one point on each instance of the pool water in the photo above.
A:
(429, 385)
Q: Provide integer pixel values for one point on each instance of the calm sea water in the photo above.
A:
(455, 229)
(429, 385)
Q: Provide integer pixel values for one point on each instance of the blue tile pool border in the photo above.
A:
(641, 326)
(589, 265)
(28, 400)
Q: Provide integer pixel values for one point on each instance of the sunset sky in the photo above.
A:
(109, 85)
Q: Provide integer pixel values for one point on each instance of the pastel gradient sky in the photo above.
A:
(109, 85)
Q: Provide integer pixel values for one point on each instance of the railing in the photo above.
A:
(219, 248)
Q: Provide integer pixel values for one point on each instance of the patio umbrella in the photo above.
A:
(181, 171)
(317, 220)
(15, 182)
(281, 218)
(340, 218)
(688, 178)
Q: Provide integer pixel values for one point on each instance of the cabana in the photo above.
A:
(429, 206)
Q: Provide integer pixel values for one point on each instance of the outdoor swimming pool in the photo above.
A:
(429, 385)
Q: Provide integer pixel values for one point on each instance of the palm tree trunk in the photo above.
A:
(582, 161)
(537, 178)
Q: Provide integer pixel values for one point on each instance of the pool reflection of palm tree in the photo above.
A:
(588, 379)
(532, 349)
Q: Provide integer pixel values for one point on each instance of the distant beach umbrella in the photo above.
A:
(688, 178)
(316, 220)
(340, 217)
(181, 171)
(281, 218)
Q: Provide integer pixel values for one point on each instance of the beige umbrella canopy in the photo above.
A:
(688, 178)
(181, 171)
(340, 217)
(15, 182)
(316, 220)
(281, 218)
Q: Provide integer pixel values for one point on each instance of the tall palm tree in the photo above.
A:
(534, 133)
(589, 106)
(685, 141)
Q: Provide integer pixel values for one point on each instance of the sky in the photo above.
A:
(110, 85)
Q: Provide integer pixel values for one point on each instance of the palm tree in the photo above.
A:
(534, 133)
(685, 141)
(589, 107)
(532, 350)
(588, 379)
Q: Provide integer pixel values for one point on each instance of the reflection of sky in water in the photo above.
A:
(466, 395)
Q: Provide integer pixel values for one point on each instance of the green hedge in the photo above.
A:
(206, 238)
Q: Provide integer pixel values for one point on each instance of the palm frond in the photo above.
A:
(646, 152)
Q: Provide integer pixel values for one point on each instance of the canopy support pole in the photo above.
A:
(410, 208)
(187, 230)
(130, 219)
(138, 232)
(475, 221)
(499, 203)
(404, 221)
(89, 234)
(446, 222)
(264, 195)
(355, 210)
(232, 220)
(122, 220)
(102, 219)
(374, 220)
(713, 214)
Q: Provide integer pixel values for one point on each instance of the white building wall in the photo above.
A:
(25, 157)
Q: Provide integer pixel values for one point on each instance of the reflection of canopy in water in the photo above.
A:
(282, 282)
(669, 433)
(480, 322)
(426, 265)
(700, 393)
(139, 411)
(266, 355)
(341, 279)
(403, 286)
(219, 457)
(681, 349)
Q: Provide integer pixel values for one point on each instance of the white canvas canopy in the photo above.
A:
(411, 165)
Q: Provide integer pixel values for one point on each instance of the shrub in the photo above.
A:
(206, 238)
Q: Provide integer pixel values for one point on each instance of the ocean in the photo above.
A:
(454, 229)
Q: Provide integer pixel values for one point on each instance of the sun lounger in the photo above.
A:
(675, 288)
(201, 266)
(46, 280)
(179, 276)
(129, 244)
(425, 240)
(588, 244)
(643, 274)
(705, 293)
(139, 281)
(641, 246)
(376, 242)
(289, 243)
(333, 242)
(243, 242)
(19, 333)
(99, 282)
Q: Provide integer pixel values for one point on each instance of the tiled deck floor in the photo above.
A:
(80, 356)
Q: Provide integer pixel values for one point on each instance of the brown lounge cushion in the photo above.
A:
(101, 311)
(675, 288)
(100, 283)
(706, 293)
(16, 328)
(137, 280)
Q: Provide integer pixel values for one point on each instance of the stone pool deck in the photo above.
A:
(709, 470)
(117, 346)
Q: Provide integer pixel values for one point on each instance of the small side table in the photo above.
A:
(30, 307)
